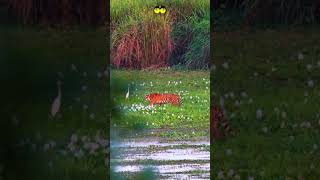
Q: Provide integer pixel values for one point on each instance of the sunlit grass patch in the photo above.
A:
(191, 86)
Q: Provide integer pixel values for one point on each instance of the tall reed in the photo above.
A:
(146, 43)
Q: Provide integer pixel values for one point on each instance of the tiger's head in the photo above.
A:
(148, 97)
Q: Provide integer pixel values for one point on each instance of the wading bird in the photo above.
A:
(127, 95)
(57, 101)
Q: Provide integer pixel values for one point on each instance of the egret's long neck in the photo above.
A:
(59, 90)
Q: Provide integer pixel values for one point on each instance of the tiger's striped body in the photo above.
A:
(219, 124)
(157, 98)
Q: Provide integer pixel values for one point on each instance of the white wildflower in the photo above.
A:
(308, 124)
(84, 88)
(265, 129)
(315, 146)
(220, 175)
(71, 147)
(46, 147)
(259, 114)
(230, 172)
(73, 67)
(231, 95)
(225, 65)
(85, 74)
(79, 153)
(237, 177)
(312, 166)
(300, 56)
(310, 83)
(99, 74)
(237, 103)
(52, 144)
(85, 106)
(283, 114)
(74, 138)
(228, 152)
(244, 94)
(92, 116)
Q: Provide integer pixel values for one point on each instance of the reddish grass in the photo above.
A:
(215, 116)
(146, 44)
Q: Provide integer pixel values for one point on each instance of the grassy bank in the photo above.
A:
(191, 119)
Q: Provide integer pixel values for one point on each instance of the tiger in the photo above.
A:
(157, 98)
(220, 127)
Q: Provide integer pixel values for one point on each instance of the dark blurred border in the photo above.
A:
(38, 14)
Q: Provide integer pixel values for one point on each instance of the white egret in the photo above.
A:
(221, 101)
(60, 74)
(99, 75)
(73, 67)
(57, 101)
(84, 88)
(127, 95)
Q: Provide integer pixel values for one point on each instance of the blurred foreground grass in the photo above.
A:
(269, 80)
(74, 144)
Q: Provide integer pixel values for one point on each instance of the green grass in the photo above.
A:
(122, 11)
(265, 65)
(191, 119)
(198, 54)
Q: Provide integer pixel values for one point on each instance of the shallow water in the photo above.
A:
(170, 154)
(146, 143)
(170, 160)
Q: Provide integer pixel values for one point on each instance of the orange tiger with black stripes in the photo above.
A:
(157, 98)
(220, 127)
